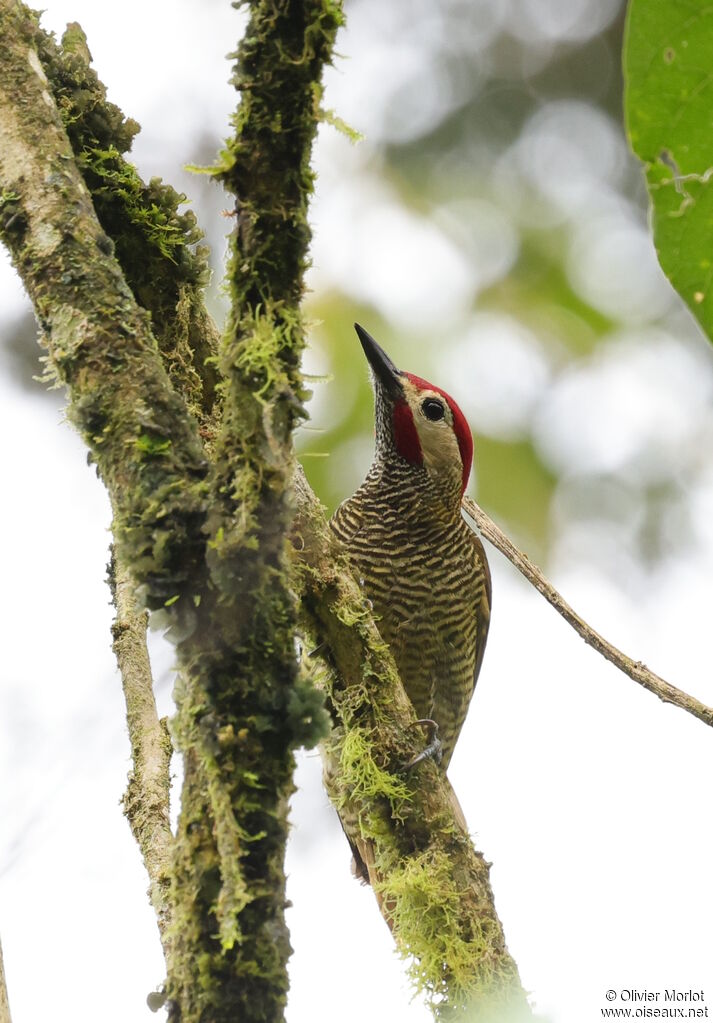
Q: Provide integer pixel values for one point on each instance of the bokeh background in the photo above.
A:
(491, 232)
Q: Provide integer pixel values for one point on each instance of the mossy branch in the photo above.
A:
(634, 669)
(431, 884)
(155, 244)
(146, 802)
(100, 345)
(244, 706)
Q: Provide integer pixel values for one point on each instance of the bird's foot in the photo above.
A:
(434, 749)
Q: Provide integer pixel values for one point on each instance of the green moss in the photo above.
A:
(330, 117)
(235, 735)
(455, 957)
(364, 781)
(222, 165)
(149, 444)
(327, 116)
(351, 614)
(154, 221)
(155, 244)
(418, 885)
(279, 63)
(269, 333)
(424, 905)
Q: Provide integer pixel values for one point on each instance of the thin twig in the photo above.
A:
(146, 801)
(634, 669)
(4, 1001)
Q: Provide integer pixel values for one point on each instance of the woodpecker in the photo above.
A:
(421, 566)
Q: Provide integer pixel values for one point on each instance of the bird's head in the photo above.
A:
(418, 422)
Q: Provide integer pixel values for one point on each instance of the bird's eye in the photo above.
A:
(433, 409)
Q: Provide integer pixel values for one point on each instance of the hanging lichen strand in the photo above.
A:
(244, 708)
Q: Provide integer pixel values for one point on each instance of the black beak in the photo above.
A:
(384, 370)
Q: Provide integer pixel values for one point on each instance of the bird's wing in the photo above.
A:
(347, 520)
(483, 609)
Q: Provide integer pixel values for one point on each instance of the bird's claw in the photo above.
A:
(434, 749)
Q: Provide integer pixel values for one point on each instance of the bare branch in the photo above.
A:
(4, 1001)
(634, 669)
(146, 802)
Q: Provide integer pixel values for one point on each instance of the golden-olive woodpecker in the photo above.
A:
(422, 567)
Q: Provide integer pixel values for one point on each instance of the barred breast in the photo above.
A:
(427, 576)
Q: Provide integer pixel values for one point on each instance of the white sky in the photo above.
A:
(590, 798)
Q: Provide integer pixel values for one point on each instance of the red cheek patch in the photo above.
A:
(406, 435)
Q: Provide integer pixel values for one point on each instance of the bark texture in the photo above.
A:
(146, 802)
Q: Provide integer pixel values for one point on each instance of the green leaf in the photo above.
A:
(668, 70)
